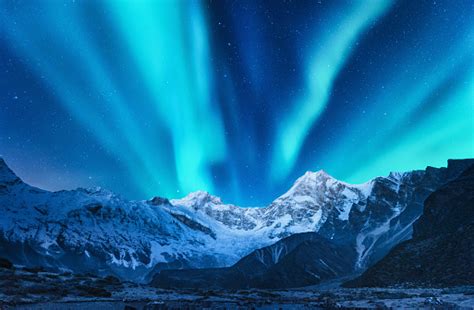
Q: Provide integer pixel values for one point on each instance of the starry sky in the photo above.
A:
(237, 98)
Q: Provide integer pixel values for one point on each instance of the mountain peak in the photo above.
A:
(319, 173)
(6, 174)
(98, 192)
(196, 199)
(312, 176)
(308, 183)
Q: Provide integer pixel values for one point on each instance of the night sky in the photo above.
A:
(237, 98)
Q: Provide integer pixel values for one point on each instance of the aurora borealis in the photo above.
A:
(238, 98)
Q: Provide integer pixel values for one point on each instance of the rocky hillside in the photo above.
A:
(299, 260)
(384, 219)
(94, 230)
(441, 252)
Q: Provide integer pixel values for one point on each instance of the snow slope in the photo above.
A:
(95, 230)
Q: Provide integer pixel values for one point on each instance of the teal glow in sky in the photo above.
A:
(326, 60)
(237, 98)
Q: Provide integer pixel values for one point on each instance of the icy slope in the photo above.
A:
(94, 230)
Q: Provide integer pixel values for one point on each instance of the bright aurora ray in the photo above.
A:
(237, 98)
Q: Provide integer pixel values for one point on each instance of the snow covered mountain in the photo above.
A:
(94, 230)
(441, 251)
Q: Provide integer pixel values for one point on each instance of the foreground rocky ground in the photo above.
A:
(34, 288)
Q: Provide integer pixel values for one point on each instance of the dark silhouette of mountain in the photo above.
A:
(298, 260)
(441, 252)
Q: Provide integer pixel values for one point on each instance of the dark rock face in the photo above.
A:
(386, 218)
(5, 263)
(441, 252)
(7, 178)
(448, 209)
(298, 260)
(194, 225)
(157, 201)
(312, 262)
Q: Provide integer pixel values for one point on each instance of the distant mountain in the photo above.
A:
(94, 230)
(441, 252)
(343, 244)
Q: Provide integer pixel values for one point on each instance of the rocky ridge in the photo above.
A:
(94, 230)
(441, 252)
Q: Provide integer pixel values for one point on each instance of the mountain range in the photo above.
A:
(346, 227)
(441, 251)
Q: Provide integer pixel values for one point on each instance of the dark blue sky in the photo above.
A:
(238, 98)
